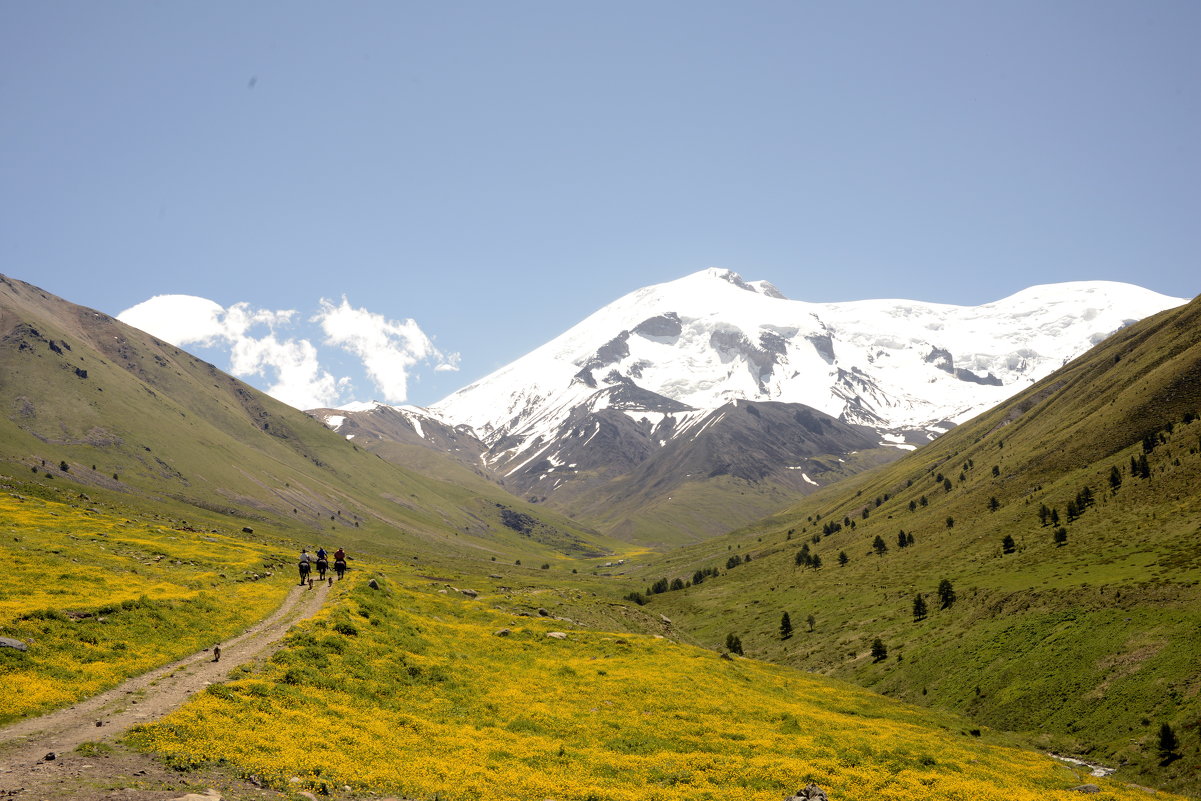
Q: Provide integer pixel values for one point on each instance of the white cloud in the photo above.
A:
(259, 345)
(294, 364)
(451, 365)
(389, 349)
(178, 319)
(299, 379)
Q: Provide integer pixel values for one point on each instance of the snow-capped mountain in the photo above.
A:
(711, 337)
(792, 386)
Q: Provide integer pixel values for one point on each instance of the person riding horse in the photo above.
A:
(339, 562)
(305, 565)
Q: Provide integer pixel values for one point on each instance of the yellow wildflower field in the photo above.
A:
(98, 598)
(407, 690)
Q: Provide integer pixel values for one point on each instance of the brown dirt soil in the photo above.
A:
(90, 765)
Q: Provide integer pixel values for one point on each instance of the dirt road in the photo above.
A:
(25, 770)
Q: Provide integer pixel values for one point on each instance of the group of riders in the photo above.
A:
(319, 561)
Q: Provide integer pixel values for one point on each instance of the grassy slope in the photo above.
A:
(696, 509)
(1090, 646)
(99, 595)
(129, 414)
(410, 690)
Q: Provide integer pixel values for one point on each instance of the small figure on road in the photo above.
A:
(216, 653)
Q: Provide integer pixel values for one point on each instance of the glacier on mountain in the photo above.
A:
(673, 352)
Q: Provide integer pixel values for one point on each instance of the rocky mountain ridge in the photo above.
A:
(663, 365)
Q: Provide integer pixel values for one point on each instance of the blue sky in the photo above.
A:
(494, 172)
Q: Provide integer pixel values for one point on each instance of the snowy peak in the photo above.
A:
(712, 337)
(714, 384)
(721, 274)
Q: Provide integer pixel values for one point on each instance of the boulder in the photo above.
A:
(502, 632)
(1087, 788)
(558, 635)
(9, 642)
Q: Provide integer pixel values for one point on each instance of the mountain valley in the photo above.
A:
(630, 420)
(579, 590)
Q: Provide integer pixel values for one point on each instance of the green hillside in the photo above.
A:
(91, 401)
(1089, 643)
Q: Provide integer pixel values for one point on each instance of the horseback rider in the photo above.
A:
(305, 564)
(339, 562)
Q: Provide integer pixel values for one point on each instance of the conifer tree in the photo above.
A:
(1061, 537)
(1115, 478)
(902, 541)
(946, 594)
(879, 546)
(1167, 743)
(879, 650)
(785, 627)
(843, 558)
(1044, 512)
(1084, 499)
(993, 504)
(919, 607)
(734, 644)
(1008, 545)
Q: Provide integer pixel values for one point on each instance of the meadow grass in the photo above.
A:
(412, 689)
(98, 597)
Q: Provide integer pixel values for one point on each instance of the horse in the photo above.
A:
(322, 566)
(339, 568)
(304, 570)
